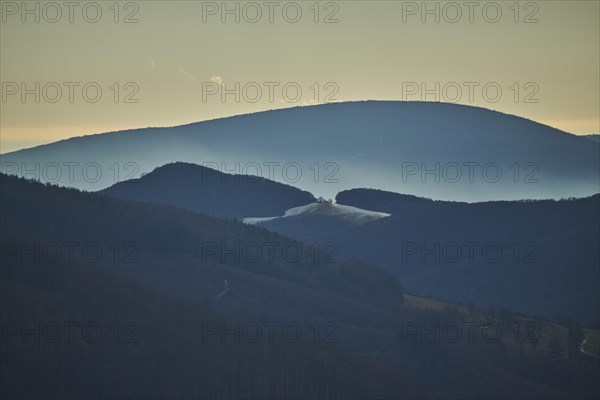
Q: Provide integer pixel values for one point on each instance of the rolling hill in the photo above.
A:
(436, 150)
(208, 191)
(537, 257)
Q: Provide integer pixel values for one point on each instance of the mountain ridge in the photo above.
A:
(334, 147)
(195, 123)
(201, 189)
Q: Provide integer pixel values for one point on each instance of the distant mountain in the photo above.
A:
(593, 138)
(436, 150)
(538, 257)
(205, 190)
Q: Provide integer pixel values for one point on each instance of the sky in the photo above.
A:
(92, 67)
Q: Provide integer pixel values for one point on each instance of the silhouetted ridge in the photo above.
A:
(381, 200)
(201, 189)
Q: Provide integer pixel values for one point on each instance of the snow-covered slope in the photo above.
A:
(353, 215)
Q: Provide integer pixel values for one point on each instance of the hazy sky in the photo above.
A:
(179, 51)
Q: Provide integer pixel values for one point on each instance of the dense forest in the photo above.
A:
(539, 256)
(143, 275)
